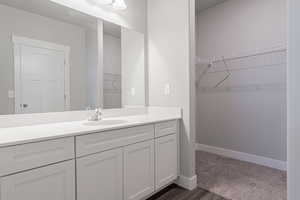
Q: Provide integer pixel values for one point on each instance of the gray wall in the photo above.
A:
(248, 121)
(294, 101)
(33, 26)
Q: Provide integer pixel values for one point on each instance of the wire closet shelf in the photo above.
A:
(248, 72)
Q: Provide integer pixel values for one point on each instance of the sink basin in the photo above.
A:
(105, 122)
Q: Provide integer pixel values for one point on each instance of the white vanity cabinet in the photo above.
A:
(123, 173)
(53, 182)
(166, 160)
(100, 176)
(103, 141)
(18, 158)
(121, 164)
(41, 170)
(166, 153)
(127, 164)
(139, 170)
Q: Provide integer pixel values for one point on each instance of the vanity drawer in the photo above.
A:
(32, 155)
(166, 128)
(98, 142)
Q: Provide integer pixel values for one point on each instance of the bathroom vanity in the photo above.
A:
(59, 65)
(120, 159)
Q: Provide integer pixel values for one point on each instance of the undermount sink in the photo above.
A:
(105, 122)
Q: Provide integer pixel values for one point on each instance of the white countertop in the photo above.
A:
(35, 133)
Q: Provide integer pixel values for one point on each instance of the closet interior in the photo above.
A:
(241, 63)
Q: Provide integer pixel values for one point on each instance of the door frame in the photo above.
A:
(18, 42)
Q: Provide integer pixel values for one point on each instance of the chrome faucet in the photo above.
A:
(97, 115)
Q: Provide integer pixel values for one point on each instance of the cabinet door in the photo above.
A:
(54, 182)
(138, 170)
(100, 176)
(166, 158)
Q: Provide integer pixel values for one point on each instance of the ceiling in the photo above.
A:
(52, 10)
(58, 12)
(205, 4)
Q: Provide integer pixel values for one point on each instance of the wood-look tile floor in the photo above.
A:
(174, 192)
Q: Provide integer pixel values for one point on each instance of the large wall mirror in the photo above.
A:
(55, 59)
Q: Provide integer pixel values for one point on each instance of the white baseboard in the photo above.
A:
(189, 183)
(268, 162)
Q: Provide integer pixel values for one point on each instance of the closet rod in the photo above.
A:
(250, 55)
(247, 68)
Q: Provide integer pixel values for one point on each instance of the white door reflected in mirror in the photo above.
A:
(40, 87)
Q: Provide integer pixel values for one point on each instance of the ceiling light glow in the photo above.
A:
(119, 5)
(116, 4)
(106, 2)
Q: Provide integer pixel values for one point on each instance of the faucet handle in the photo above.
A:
(97, 116)
(98, 110)
(98, 113)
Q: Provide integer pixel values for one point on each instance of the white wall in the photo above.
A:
(250, 121)
(293, 101)
(134, 17)
(169, 63)
(133, 68)
(33, 26)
